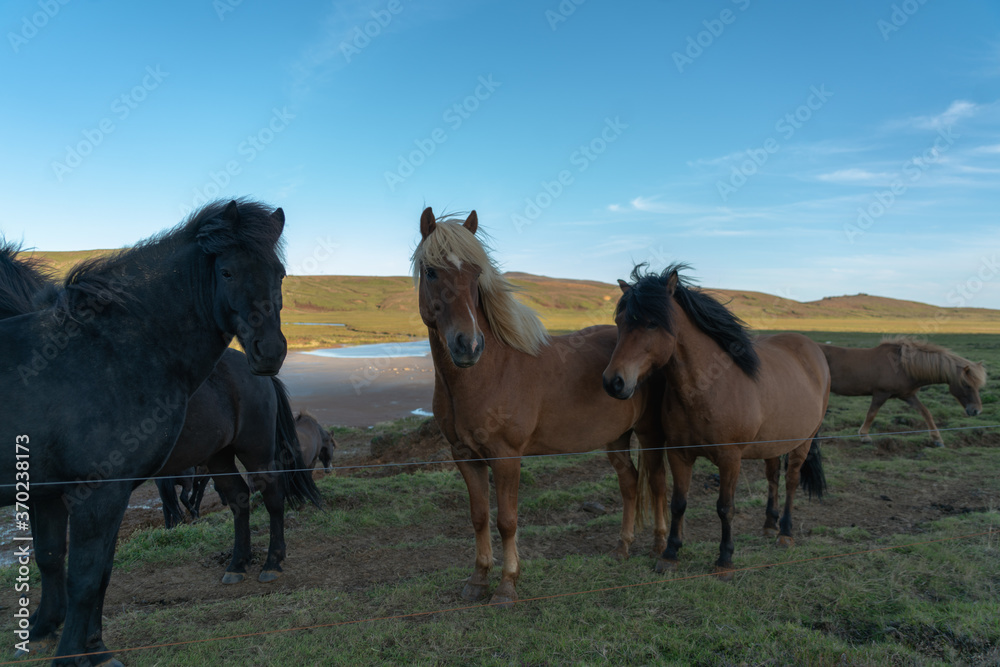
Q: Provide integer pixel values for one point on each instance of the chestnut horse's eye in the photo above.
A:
(430, 273)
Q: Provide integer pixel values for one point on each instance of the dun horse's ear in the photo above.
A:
(472, 222)
(279, 217)
(672, 283)
(624, 285)
(427, 223)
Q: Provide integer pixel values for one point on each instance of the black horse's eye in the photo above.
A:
(227, 274)
(430, 273)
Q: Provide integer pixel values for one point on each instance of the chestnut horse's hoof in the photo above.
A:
(770, 532)
(619, 553)
(938, 443)
(786, 541)
(866, 440)
(267, 576)
(505, 595)
(724, 573)
(659, 546)
(474, 592)
(233, 577)
(665, 565)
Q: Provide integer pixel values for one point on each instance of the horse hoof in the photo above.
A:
(786, 541)
(770, 532)
(866, 440)
(267, 576)
(724, 574)
(503, 602)
(619, 553)
(474, 592)
(938, 443)
(664, 565)
(232, 577)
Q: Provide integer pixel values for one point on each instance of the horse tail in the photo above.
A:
(299, 485)
(811, 476)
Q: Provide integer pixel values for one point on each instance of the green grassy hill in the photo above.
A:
(376, 309)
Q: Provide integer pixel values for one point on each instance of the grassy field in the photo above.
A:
(899, 564)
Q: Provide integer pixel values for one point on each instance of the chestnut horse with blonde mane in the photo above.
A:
(727, 397)
(898, 368)
(504, 389)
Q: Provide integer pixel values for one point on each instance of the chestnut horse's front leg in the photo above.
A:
(628, 483)
(878, 399)
(915, 403)
(507, 477)
(476, 476)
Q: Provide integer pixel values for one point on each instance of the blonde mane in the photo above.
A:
(512, 322)
(927, 361)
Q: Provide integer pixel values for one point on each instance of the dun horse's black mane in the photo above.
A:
(105, 278)
(20, 279)
(648, 303)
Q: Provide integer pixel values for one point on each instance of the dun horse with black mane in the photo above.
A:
(95, 387)
(727, 397)
(504, 389)
(898, 368)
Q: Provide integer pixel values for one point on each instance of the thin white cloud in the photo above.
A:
(855, 175)
(958, 110)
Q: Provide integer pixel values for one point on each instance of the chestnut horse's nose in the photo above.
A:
(466, 350)
(972, 410)
(615, 386)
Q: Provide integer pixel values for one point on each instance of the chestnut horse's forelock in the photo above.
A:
(927, 361)
(451, 244)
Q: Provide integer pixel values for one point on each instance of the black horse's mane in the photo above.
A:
(20, 279)
(648, 303)
(106, 278)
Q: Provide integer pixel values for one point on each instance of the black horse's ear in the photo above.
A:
(427, 223)
(279, 217)
(672, 282)
(472, 222)
(231, 214)
(624, 285)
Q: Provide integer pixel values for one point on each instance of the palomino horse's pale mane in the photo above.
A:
(512, 322)
(926, 361)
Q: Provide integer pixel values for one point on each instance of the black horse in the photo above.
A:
(94, 390)
(236, 414)
(192, 485)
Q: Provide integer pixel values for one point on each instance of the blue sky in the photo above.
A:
(799, 149)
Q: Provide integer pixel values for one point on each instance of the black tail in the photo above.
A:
(20, 280)
(811, 477)
(299, 485)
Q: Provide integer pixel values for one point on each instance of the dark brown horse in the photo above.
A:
(238, 415)
(727, 397)
(504, 389)
(898, 368)
(316, 442)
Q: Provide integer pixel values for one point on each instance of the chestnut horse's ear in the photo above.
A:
(279, 217)
(427, 223)
(672, 283)
(472, 222)
(624, 285)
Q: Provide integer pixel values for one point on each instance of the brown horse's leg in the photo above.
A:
(477, 480)
(796, 458)
(628, 483)
(507, 477)
(771, 515)
(729, 475)
(915, 403)
(878, 400)
(681, 470)
(658, 486)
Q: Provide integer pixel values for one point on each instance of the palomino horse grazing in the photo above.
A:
(316, 442)
(898, 368)
(727, 397)
(503, 389)
(94, 390)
